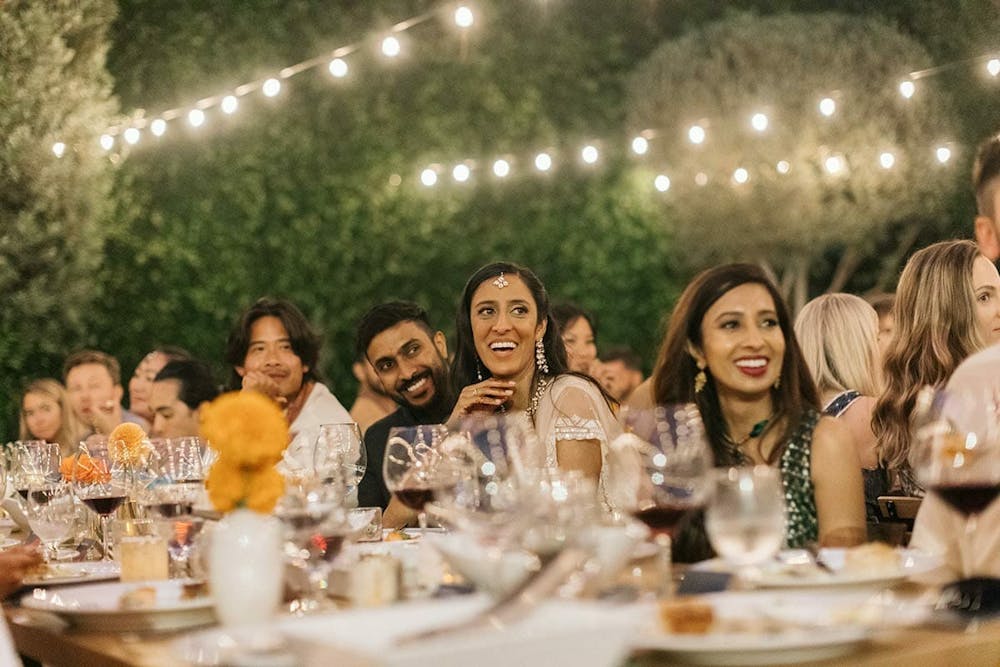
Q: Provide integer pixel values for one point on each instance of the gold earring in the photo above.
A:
(700, 379)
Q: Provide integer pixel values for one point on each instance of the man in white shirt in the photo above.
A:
(275, 351)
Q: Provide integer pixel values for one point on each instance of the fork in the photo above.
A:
(814, 550)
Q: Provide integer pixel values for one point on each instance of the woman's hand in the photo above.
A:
(485, 396)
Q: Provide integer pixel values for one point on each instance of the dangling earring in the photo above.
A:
(540, 361)
(479, 370)
(700, 379)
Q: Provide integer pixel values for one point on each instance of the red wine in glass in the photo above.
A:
(170, 510)
(969, 499)
(23, 492)
(664, 518)
(415, 497)
(104, 505)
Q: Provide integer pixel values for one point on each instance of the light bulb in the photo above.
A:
(661, 183)
(428, 177)
(640, 145)
(461, 173)
(589, 154)
(834, 164)
(993, 66)
(338, 68)
(158, 127)
(701, 178)
(131, 135)
(464, 17)
(759, 122)
(827, 106)
(783, 167)
(391, 47)
(907, 89)
(271, 87)
(196, 117)
(943, 154)
(107, 141)
(741, 175)
(229, 104)
(696, 134)
(59, 148)
(501, 168)
(543, 162)
(887, 159)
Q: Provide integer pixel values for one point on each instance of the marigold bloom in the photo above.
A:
(88, 470)
(247, 428)
(127, 443)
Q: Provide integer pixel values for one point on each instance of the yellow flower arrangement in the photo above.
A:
(128, 444)
(250, 433)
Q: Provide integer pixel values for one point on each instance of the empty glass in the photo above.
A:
(51, 514)
(340, 450)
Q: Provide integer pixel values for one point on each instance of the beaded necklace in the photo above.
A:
(536, 396)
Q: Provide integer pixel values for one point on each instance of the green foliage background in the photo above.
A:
(313, 195)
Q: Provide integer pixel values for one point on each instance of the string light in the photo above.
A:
(834, 164)
(391, 47)
(887, 160)
(461, 173)
(271, 87)
(229, 104)
(543, 162)
(640, 146)
(501, 168)
(107, 142)
(759, 122)
(338, 68)
(196, 117)
(701, 179)
(696, 134)
(662, 183)
(59, 148)
(907, 88)
(158, 127)
(827, 106)
(741, 175)
(943, 154)
(464, 17)
(589, 154)
(993, 66)
(428, 177)
(131, 136)
(783, 167)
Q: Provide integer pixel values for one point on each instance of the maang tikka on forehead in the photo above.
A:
(501, 282)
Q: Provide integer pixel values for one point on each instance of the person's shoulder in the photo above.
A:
(401, 417)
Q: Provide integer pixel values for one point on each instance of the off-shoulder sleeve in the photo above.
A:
(577, 413)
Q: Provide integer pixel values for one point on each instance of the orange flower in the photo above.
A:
(247, 428)
(127, 443)
(266, 487)
(88, 470)
(226, 486)
(230, 487)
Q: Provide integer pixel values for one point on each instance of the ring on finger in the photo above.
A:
(475, 391)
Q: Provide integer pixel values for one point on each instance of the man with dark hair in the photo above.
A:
(620, 372)
(94, 385)
(410, 360)
(179, 391)
(275, 351)
(986, 185)
(372, 402)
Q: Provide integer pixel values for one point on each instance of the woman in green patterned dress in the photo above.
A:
(731, 350)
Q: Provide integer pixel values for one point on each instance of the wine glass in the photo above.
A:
(317, 526)
(745, 519)
(662, 464)
(412, 465)
(35, 462)
(340, 450)
(101, 481)
(51, 513)
(177, 482)
(955, 452)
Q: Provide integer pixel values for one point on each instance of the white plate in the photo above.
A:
(812, 632)
(97, 606)
(911, 562)
(8, 542)
(75, 573)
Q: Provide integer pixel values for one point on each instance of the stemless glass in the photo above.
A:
(412, 467)
(340, 450)
(51, 514)
(745, 519)
(956, 449)
(101, 483)
(663, 465)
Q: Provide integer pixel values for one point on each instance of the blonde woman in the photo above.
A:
(46, 415)
(947, 308)
(838, 334)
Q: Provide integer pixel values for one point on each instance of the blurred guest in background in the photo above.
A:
(579, 336)
(142, 378)
(372, 402)
(46, 415)
(620, 372)
(274, 350)
(985, 182)
(882, 303)
(410, 361)
(178, 392)
(947, 308)
(731, 350)
(94, 385)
